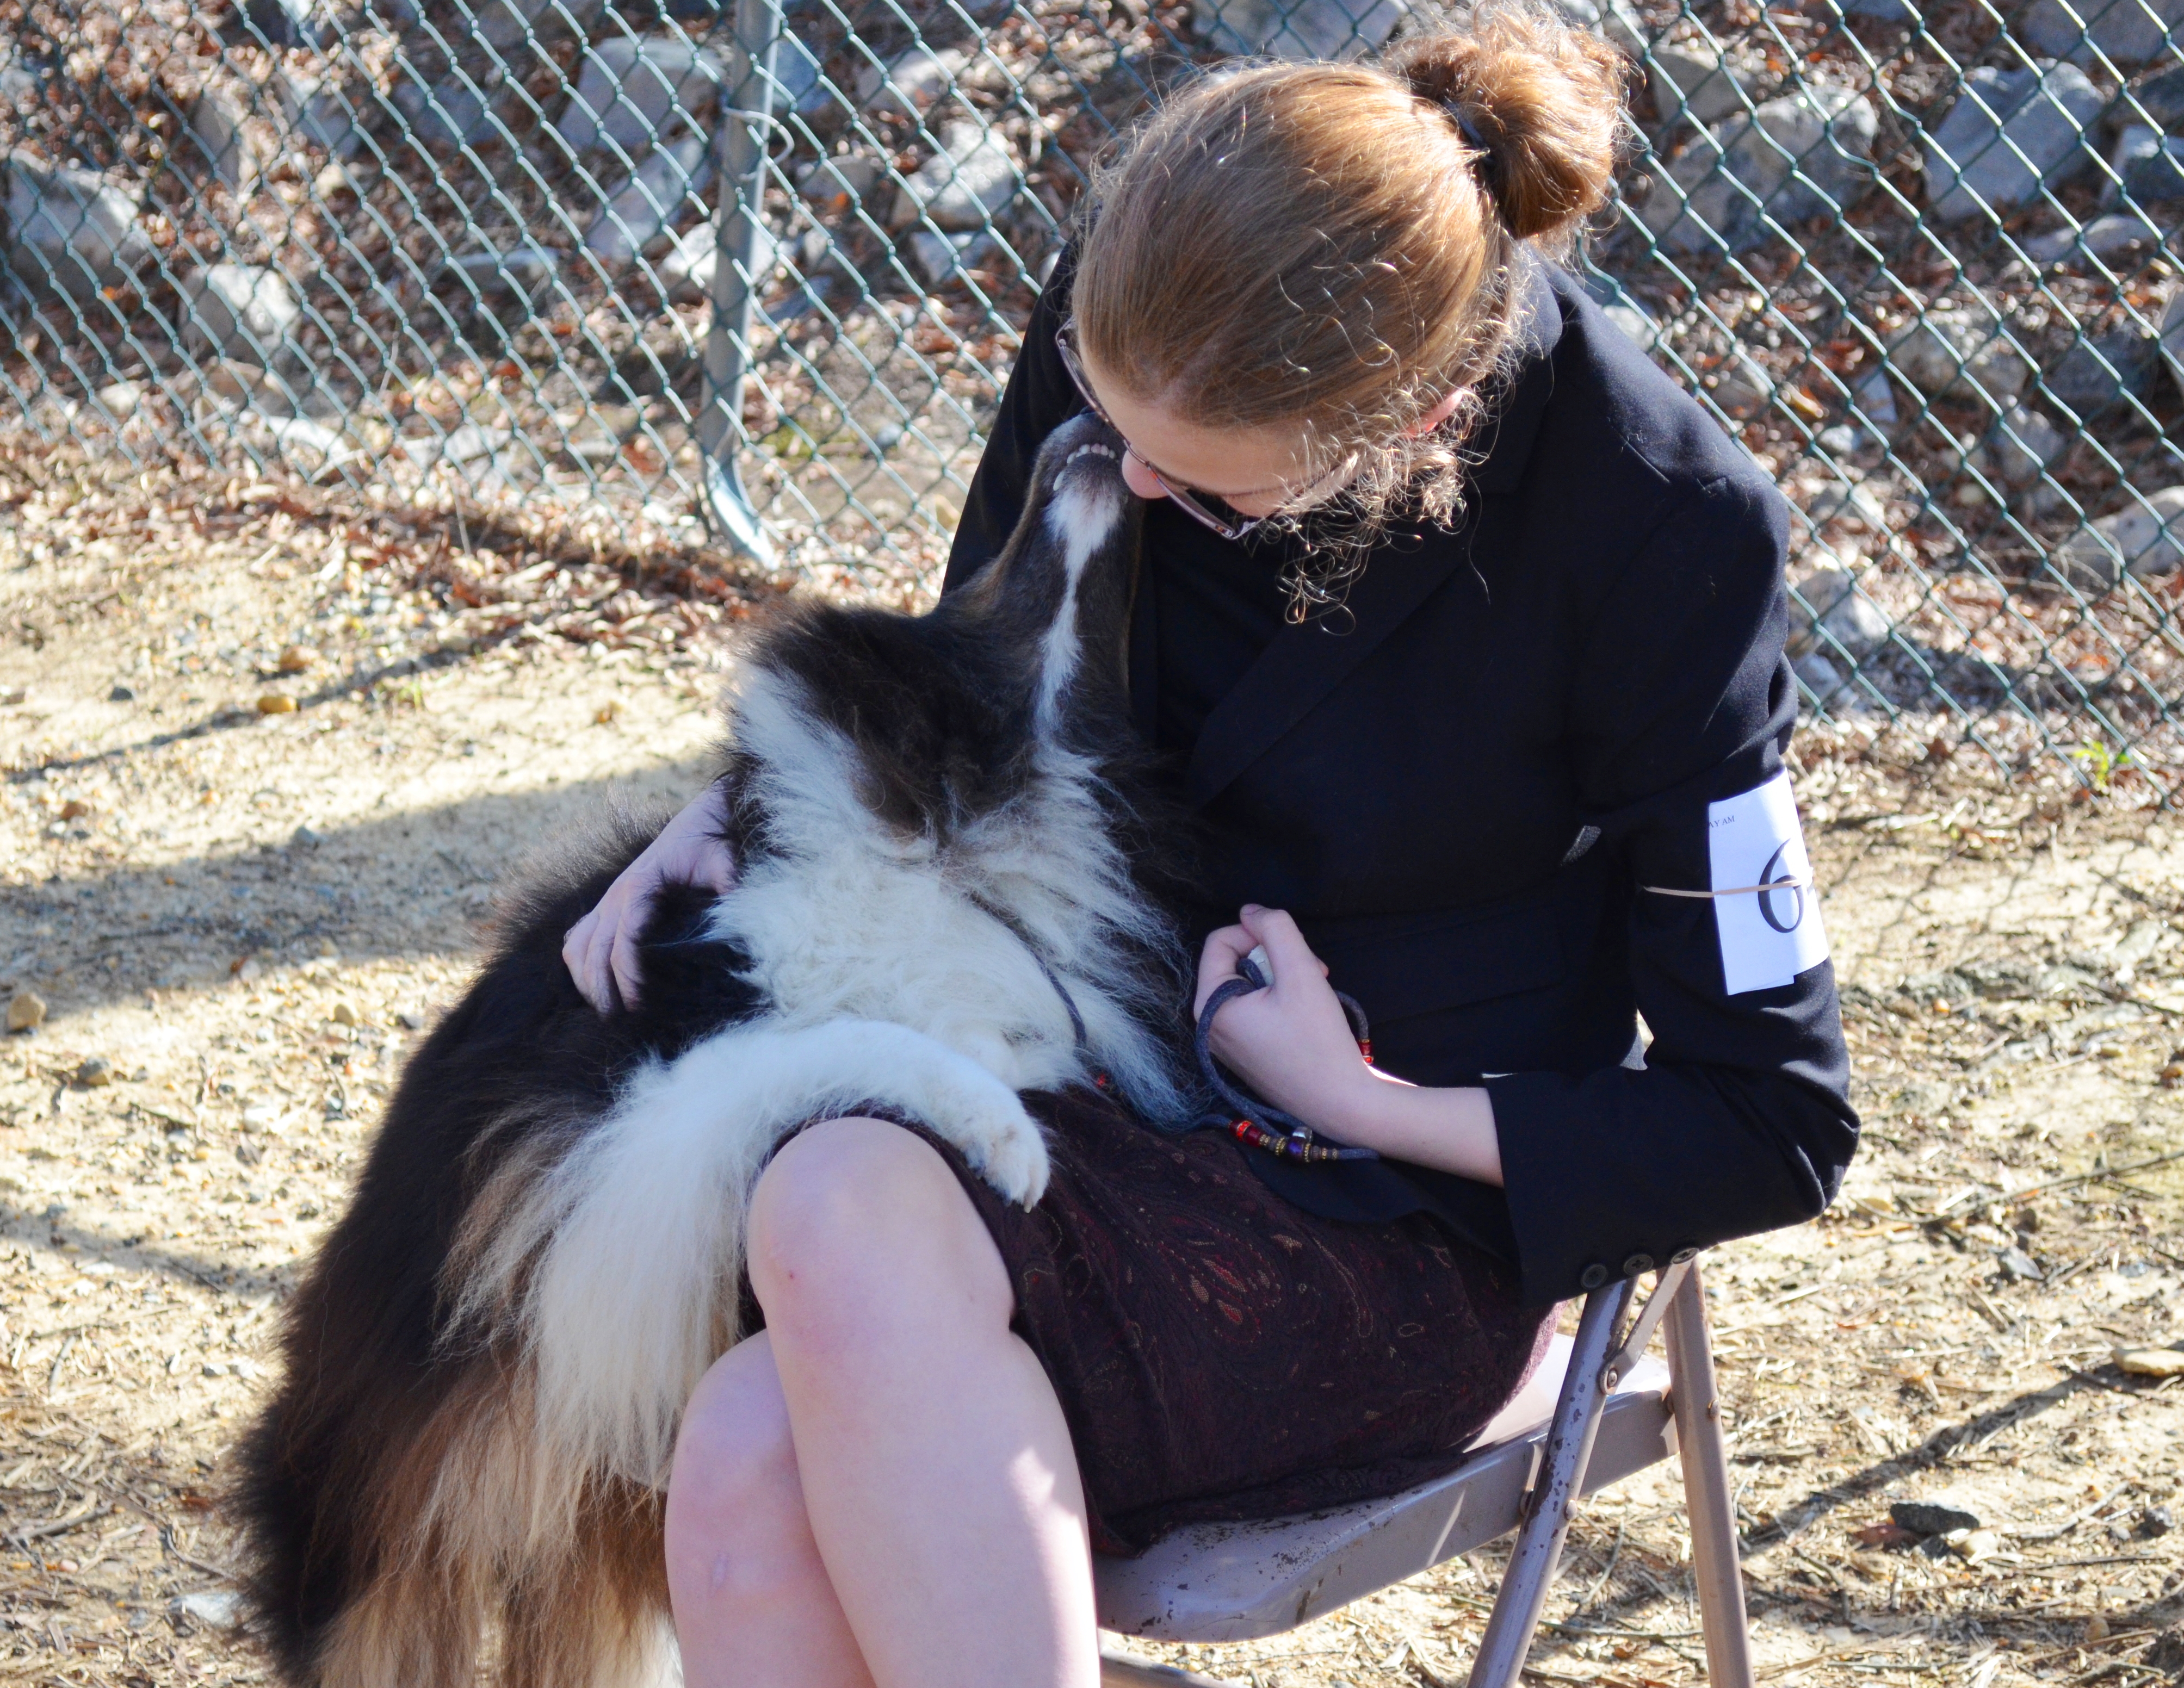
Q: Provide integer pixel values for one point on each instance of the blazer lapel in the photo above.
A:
(1303, 664)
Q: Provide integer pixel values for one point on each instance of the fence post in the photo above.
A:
(746, 118)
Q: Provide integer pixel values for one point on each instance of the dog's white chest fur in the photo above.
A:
(932, 979)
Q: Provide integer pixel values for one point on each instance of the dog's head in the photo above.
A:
(1059, 594)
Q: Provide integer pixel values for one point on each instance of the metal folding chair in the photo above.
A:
(1616, 1412)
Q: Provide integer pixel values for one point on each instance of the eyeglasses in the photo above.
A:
(1205, 509)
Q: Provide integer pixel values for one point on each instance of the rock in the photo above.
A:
(2009, 134)
(1875, 397)
(1821, 677)
(2172, 339)
(2024, 445)
(1973, 1546)
(687, 271)
(910, 83)
(215, 132)
(275, 704)
(2017, 1266)
(2153, 1523)
(2150, 1361)
(296, 659)
(2094, 374)
(2104, 237)
(648, 203)
(70, 230)
(2159, 100)
(317, 110)
(343, 1014)
(837, 183)
(1296, 29)
(973, 176)
(2125, 31)
(121, 694)
(121, 398)
(1791, 159)
(942, 259)
(1808, 152)
(515, 32)
(26, 1010)
(456, 111)
(410, 1019)
(800, 80)
(1690, 80)
(2149, 166)
(265, 1117)
(219, 1608)
(303, 838)
(2145, 539)
(1953, 349)
(527, 272)
(243, 311)
(1933, 1518)
(1833, 605)
(633, 93)
(95, 1072)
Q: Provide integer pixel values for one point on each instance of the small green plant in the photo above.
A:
(2102, 762)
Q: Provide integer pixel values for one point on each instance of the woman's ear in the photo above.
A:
(1433, 418)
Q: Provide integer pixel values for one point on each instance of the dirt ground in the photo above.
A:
(238, 912)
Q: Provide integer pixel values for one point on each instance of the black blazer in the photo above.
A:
(1458, 795)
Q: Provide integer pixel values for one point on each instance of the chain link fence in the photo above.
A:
(763, 264)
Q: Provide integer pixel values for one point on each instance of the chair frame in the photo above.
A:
(1609, 1342)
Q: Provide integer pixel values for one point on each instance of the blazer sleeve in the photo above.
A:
(1739, 1119)
(1038, 398)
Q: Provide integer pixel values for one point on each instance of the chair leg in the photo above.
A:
(1539, 1549)
(1707, 1494)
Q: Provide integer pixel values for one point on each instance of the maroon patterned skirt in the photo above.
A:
(1221, 1354)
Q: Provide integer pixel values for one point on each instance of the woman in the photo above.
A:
(1462, 630)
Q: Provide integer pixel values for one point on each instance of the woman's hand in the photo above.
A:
(600, 950)
(1290, 1043)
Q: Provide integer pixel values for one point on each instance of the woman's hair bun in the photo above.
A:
(1542, 100)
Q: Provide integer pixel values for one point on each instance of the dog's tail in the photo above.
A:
(438, 1551)
(620, 1263)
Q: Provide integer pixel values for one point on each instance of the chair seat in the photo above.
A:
(1233, 1582)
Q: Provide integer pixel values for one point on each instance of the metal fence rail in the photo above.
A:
(764, 263)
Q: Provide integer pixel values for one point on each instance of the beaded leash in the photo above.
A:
(1295, 1140)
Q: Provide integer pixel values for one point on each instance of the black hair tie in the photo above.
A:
(1489, 162)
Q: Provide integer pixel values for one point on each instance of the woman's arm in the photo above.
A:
(1291, 1045)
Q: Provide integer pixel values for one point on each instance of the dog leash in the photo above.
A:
(1015, 929)
(1255, 1121)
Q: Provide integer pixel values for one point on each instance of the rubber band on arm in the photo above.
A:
(1731, 890)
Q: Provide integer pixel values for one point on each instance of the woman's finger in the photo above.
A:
(621, 955)
(576, 956)
(1217, 961)
(1291, 955)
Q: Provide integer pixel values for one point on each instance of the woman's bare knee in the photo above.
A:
(735, 1503)
(857, 1221)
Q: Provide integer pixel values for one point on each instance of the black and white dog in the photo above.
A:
(942, 901)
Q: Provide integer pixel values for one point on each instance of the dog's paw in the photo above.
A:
(1009, 1155)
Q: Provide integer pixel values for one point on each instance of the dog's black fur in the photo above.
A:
(382, 1393)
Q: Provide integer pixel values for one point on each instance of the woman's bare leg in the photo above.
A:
(753, 1606)
(935, 1466)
